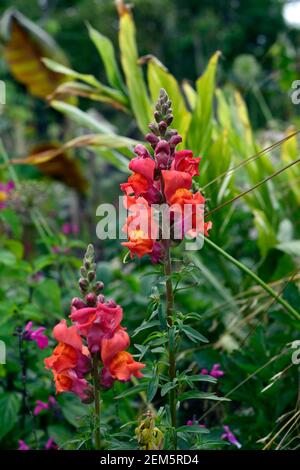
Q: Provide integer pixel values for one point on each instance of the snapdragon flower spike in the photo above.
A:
(96, 332)
(164, 177)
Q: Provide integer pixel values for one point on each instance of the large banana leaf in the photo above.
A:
(25, 43)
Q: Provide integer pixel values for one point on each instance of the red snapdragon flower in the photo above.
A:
(166, 177)
(70, 361)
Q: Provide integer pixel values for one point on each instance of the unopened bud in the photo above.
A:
(99, 286)
(77, 303)
(100, 299)
(91, 299)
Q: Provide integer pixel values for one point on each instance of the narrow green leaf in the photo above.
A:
(193, 334)
(194, 428)
(107, 53)
(200, 130)
(137, 90)
(196, 395)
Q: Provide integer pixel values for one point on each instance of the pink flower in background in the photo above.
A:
(5, 189)
(23, 445)
(230, 437)
(36, 335)
(215, 371)
(68, 229)
(40, 406)
(51, 445)
(190, 422)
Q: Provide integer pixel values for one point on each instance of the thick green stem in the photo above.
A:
(171, 346)
(96, 380)
(257, 279)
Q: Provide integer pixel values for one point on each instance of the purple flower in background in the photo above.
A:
(23, 446)
(67, 229)
(5, 189)
(50, 444)
(190, 422)
(215, 371)
(40, 406)
(229, 436)
(36, 335)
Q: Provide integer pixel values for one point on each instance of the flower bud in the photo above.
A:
(100, 299)
(111, 303)
(162, 127)
(99, 286)
(77, 303)
(91, 276)
(175, 140)
(141, 151)
(91, 299)
(162, 154)
(152, 139)
(83, 284)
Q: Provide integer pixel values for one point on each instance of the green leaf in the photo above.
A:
(144, 326)
(291, 248)
(7, 258)
(73, 410)
(81, 117)
(266, 235)
(16, 248)
(196, 395)
(200, 130)
(10, 218)
(47, 296)
(100, 89)
(167, 387)
(153, 386)
(193, 334)
(10, 404)
(194, 428)
(132, 390)
(137, 90)
(107, 53)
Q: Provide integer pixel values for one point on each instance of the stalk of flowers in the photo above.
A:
(91, 353)
(163, 177)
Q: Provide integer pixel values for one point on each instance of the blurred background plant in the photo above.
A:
(66, 147)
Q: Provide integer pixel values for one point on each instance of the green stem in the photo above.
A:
(257, 279)
(171, 346)
(96, 380)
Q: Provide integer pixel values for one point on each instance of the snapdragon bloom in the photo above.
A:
(35, 335)
(164, 178)
(70, 361)
(5, 189)
(215, 371)
(230, 437)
